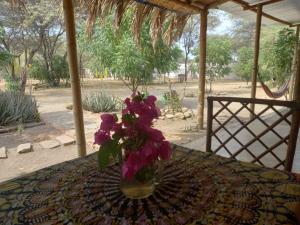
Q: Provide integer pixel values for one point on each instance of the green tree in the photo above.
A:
(243, 34)
(218, 58)
(59, 71)
(244, 65)
(166, 58)
(117, 52)
(190, 36)
(28, 32)
(277, 56)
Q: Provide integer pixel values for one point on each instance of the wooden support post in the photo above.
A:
(202, 65)
(294, 65)
(75, 80)
(295, 120)
(210, 108)
(256, 56)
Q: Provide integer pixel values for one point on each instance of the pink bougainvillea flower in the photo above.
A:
(155, 135)
(117, 128)
(127, 101)
(143, 145)
(131, 166)
(108, 121)
(150, 100)
(165, 150)
(148, 153)
(101, 137)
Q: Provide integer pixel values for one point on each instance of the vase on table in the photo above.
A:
(135, 142)
(141, 185)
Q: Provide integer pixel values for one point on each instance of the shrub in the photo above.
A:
(16, 108)
(171, 99)
(12, 84)
(52, 76)
(100, 102)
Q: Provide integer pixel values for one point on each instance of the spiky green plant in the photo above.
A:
(100, 102)
(16, 108)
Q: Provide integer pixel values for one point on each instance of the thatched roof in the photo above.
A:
(175, 16)
(175, 13)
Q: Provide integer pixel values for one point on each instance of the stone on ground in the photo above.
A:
(50, 144)
(179, 115)
(24, 148)
(184, 109)
(169, 116)
(188, 114)
(3, 153)
(65, 140)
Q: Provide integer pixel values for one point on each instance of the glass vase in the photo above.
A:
(142, 185)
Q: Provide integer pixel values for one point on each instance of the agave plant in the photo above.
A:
(16, 108)
(100, 102)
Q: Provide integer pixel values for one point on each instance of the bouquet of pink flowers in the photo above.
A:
(142, 145)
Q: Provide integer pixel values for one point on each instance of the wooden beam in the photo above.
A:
(295, 121)
(75, 80)
(216, 3)
(296, 62)
(202, 65)
(198, 4)
(256, 55)
(263, 2)
(176, 5)
(295, 24)
(246, 6)
(294, 65)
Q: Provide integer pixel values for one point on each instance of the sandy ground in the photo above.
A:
(59, 120)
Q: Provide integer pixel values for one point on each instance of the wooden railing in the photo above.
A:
(265, 136)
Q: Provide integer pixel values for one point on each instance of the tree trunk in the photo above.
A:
(23, 80)
(13, 72)
(80, 66)
(185, 67)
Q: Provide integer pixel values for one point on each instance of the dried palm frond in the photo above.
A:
(139, 16)
(180, 22)
(157, 23)
(168, 35)
(120, 11)
(159, 17)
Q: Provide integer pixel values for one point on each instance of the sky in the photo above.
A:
(226, 25)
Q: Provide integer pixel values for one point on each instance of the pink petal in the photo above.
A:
(165, 150)
(108, 121)
(101, 137)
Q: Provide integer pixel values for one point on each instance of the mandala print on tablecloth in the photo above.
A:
(192, 188)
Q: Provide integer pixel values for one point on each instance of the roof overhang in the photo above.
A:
(284, 11)
(274, 11)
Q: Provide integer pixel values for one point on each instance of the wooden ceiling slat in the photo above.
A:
(216, 3)
(262, 3)
(177, 5)
(246, 6)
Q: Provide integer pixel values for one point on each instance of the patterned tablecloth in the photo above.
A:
(194, 188)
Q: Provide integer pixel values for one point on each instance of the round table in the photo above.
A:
(193, 188)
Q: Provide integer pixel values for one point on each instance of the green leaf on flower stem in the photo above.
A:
(107, 151)
(103, 157)
(129, 118)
